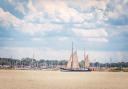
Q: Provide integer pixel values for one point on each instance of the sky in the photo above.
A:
(47, 28)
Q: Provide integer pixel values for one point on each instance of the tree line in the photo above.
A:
(42, 63)
(30, 63)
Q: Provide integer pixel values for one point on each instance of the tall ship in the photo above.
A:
(73, 64)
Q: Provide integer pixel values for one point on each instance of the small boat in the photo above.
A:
(73, 64)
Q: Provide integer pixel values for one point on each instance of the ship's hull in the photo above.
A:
(74, 70)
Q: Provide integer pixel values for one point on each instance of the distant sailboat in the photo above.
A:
(73, 64)
(86, 61)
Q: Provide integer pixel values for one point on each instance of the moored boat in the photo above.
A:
(73, 64)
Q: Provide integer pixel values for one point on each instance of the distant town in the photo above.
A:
(43, 64)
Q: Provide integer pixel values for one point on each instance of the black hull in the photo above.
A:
(76, 70)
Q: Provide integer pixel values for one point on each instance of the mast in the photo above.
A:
(72, 56)
(110, 62)
(33, 55)
(84, 58)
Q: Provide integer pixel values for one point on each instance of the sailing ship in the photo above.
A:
(73, 64)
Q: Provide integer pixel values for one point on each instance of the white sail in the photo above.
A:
(69, 65)
(75, 63)
(86, 60)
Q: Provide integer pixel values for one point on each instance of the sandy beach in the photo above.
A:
(30, 79)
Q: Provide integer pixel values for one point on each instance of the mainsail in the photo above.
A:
(86, 61)
(73, 61)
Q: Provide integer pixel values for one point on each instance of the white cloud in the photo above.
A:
(20, 7)
(97, 39)
(57, 11)
(60, 11)
(117, 8)
(90, 33)
(31, 7)
(87, 4)
(9, 20)
(39, 28)
(11, 1)
(93, 10)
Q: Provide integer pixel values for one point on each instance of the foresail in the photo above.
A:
(87, 63)
(75, 64)
(69, 65)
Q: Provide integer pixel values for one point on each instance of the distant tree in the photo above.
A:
(63, 62)
(81, 63)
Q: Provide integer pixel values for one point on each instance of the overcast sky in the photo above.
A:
(48, 27)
